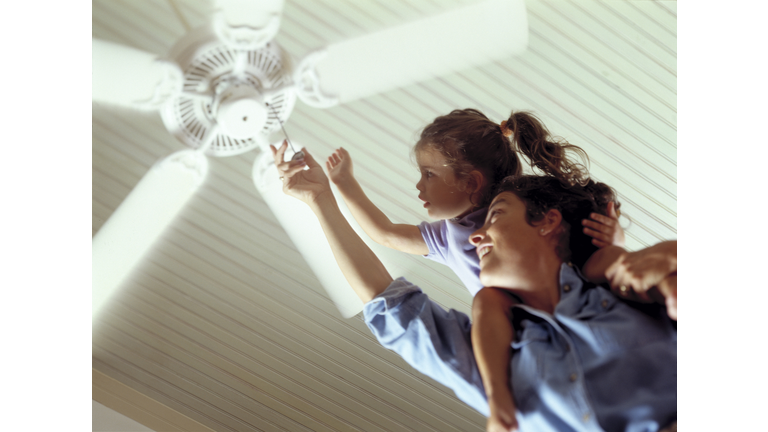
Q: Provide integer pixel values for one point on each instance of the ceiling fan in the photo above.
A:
(225, 87)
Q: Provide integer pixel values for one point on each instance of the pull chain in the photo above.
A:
(296, 155)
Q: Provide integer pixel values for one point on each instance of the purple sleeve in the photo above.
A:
(435, 237)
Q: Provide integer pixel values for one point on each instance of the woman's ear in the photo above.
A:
(550, 222)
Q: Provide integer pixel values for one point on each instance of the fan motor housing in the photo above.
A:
(256, 83)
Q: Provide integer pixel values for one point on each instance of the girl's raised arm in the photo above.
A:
(360, 266)
(402, 237)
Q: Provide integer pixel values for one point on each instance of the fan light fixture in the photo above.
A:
(213, 91)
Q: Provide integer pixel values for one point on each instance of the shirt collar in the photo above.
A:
(476, 219)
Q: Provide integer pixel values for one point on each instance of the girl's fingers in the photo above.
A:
(668, 288)
(597, 235)
(605, 220)
(597, 226)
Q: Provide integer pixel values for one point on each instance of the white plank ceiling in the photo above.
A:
(225, 323)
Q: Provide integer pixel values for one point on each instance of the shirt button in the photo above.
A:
(566, 288)
(605, 304)
(573, 377)
(586, 418)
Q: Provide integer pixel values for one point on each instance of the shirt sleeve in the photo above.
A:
(434, 341)
(435, 237)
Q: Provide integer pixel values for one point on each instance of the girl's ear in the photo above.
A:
(476, 182)
(550, 222)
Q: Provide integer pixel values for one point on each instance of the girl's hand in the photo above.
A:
(649, 274)
(502, 417)
(339, 166)
(604, 230)
(668, 289)
(307, 185)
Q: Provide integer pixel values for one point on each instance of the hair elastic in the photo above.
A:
(507, 132)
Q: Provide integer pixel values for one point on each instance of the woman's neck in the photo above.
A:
(541, 288)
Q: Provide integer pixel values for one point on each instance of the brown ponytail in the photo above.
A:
(471, 141)
(546, 152)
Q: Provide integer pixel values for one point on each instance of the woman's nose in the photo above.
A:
(476, 237)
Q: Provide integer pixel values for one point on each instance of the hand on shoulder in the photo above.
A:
(649, 274)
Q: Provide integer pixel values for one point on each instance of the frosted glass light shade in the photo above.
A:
(305, 232)
(141, 218)
(132, 78)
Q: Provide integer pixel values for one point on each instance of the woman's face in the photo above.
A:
(506, 244)
(443, 194)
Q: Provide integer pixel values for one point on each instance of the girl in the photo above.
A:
(462, 156)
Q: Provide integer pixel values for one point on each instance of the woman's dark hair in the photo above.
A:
(471, 141)
(574, 201)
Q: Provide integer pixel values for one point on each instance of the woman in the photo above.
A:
(582, 359)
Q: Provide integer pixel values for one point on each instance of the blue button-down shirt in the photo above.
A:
(597, 363)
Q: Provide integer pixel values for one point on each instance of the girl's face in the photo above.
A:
(444, 196)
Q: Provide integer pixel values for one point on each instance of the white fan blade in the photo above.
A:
(247, 24)
(466, 37)
(133, 78)
(141, 218)
(306, 233)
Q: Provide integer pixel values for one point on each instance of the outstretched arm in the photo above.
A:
(402, 237)
(360, 266)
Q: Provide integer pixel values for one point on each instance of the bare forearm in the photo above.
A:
(360, 266)
(402, 237)
(373, 221)
(491, 338)
(597, 265)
